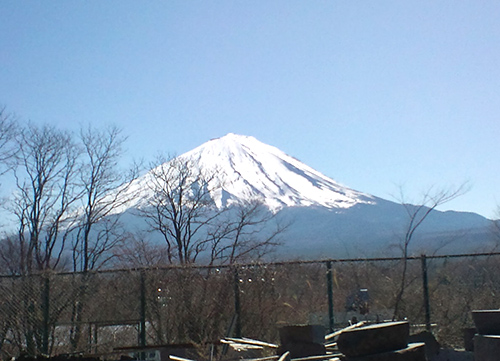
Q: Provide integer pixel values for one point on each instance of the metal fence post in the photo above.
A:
(142, 328)
(425, 286)
(237, 305)
(329, 280)
(46, 314)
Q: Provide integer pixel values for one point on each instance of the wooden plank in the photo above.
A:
(336, 333)
(249, 341)
(285, 356)
(302, 334)
(177, 358)
(269, 358)
(320, 357)
(486, 348)
(241, 346)
(414, 352)
(372, 339)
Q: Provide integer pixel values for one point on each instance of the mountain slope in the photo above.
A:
(326, 219)
(378, 229)
(254, 170)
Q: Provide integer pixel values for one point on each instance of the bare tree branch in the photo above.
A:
(46, 193)
(180, 206)
(417, 214)
(8, 131)
(246, 233)
(105, 188)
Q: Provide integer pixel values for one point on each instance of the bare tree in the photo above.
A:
(98, 230)
(417, 214)
(180, 206)
(45, 172)
(9, 256)
(8, 130)
(247, 232)
(495, 229)
(46, 192)
(139, 252)
(105, 188)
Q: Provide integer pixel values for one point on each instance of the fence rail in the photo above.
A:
(95, 312)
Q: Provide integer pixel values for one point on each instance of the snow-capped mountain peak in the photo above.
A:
(252, 170)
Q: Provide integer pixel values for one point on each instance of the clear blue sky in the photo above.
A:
(374, 94)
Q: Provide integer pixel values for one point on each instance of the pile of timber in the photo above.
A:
(487, 339)
(302, 340)
(297, 343)
(359, 342)
(380, 342)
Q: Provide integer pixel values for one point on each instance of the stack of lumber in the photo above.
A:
(386, 341)
(302, 340)
(487, 339)
(380, 342)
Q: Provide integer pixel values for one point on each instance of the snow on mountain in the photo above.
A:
(252, 170)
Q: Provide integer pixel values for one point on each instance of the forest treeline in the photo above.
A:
(200, 305)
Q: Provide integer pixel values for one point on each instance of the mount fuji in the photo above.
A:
(326, 218)
(254, 170)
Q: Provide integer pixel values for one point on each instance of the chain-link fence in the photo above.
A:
(96, 312)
